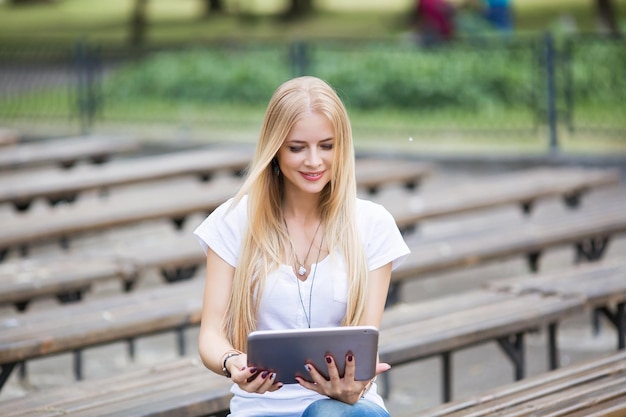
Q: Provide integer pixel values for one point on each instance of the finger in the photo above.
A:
(266, 380)
(333, 371)
(350, 371)
(382, 367)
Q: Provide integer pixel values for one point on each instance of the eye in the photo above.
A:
(327, 146)
(296, 149)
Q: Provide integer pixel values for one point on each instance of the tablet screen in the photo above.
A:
(287, 351)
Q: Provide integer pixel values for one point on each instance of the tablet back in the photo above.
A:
(287, 351)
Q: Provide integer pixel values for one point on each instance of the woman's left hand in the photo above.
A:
(345, 389)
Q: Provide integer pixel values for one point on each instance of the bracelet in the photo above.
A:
(226, 358)
(368, 387)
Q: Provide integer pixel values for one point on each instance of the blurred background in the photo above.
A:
(517, 76)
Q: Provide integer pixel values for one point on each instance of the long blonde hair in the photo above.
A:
(265, 238)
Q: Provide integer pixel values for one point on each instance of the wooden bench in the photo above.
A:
(173, 202)
(602, 288)
(595, 387)
(409, 332)
(65, 152)
(21, 189)
(181, 387)
(524, 188)
(179, 257)
(125, 316)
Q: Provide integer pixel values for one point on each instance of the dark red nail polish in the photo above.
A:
(350, 357)
(329, 359)
(252, 370)
(264, 374)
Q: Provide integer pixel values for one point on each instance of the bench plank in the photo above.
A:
(178, 387)
(65, 152)
(519, 187)
(558, 391)
(55, 185)
(428, 255)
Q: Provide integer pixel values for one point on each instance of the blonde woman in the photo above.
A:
(296, 248)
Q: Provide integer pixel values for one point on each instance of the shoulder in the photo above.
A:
(368, 211)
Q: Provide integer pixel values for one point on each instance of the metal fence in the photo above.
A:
(481, 85)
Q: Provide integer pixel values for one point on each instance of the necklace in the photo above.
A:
(302, 270)
(308, 316)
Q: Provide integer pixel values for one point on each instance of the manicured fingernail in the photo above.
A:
(273, 376)
(307, 367)
(329, 359)
(252, 370)
(264, 374)
(243, 369)
(350, 357)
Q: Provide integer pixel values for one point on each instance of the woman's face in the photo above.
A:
(305, 158)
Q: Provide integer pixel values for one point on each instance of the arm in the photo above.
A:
(213, 345)
(347, 389)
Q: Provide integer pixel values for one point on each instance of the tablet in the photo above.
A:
(287, 351)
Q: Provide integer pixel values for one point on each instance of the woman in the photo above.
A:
(295, 248)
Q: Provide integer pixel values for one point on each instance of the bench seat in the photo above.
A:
(595, 387)
(179, 256)
(409, 332)
(22, 188)
(181, 387)
(66, 152)
(524, 188)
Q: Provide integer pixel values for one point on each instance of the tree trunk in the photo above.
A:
(298, 8)
(213, 7)
(607, 13)
(139, 23)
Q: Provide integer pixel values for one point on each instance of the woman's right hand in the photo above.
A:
(251, 379)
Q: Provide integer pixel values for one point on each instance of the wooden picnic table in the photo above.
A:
(65, 152)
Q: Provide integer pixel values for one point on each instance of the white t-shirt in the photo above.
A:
(285, 306)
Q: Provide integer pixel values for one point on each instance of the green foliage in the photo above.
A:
(367, 77)
(201, 75)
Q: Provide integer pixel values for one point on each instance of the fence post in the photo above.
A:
(86, 66)
(549, 61)
(299, 54)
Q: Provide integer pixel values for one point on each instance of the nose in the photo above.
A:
(313, 158)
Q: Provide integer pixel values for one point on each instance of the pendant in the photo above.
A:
(302, 270)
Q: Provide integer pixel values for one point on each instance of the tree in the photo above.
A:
(213, 7)
(139, 23)
(298, 8)
(607, 13)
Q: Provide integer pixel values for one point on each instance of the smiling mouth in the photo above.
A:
(312, 176)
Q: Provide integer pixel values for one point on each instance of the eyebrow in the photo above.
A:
(304, 141)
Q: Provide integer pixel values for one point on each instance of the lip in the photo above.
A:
(312, 176)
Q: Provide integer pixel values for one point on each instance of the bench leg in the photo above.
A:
(7, 368)
(553, 349)
(513, 346)
(618, 319)
(446, 376)
(182, 346)
(533, 261)
(78, 364)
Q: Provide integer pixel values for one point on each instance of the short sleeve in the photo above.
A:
(222, 230)
(382, 239)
